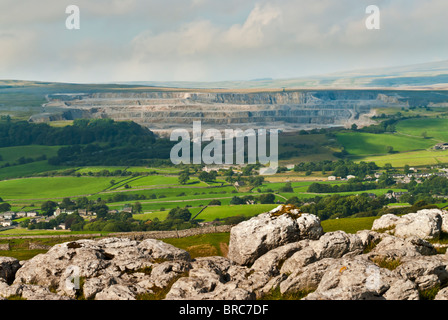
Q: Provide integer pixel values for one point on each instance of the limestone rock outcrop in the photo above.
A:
(425, 224)
(252, 238)
(289, 254)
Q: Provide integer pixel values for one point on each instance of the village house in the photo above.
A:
(332, 178)
(217, 168)
(350, 177)
(21, 214)
(58, 211)
(239, 184)
(441, 146)
(9, 215)
(60, 227)
(31, 214)
(6, 223)
(396, 195)
(127, 209)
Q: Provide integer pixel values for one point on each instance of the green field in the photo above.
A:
(349, 225)
(435, 128)
(11, 154)
(52, 187)
(220, 212)
(362, 144)
(414, 158)
(161, 181)
(167, 170)
(36, 232)
(28, 169)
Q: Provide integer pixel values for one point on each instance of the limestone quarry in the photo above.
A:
(285, 252)
(165, 110)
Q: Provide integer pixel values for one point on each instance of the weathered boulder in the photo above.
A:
(444, 215)
(402, 290)
(442, 294)
(8, 291)
(306, 278)
(398, 247)
(418, 268)
(425, 224)
(273, 260)
(107, 265)
(28, 292)
(8, 268)
(336, 245)
(116, 292)
(214, 278)
(352, 279)
(387, 221)
(251, 239)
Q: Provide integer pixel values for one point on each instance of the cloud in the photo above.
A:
(212, 40)
(251, 34)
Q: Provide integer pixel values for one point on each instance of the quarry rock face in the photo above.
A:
(166, 110)
(288, 255)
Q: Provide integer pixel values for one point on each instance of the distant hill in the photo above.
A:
(433, 75)
(429, 76)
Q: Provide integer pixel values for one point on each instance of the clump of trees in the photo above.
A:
(267, 198)
(337, 206)
(89, 142)
(346, 187)
(340, 168)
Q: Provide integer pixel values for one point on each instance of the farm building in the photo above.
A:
(441, 146)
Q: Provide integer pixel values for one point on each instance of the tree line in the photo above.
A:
(90, 142)
(340, 168)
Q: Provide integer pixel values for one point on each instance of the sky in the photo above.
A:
(214, 40)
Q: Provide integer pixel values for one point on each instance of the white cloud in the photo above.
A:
(214, 39)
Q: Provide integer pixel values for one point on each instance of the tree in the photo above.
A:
(208, 176)
(294, 201)
(236, 201)
(184, 177)
(267, 198)
(5, 207)
(287, 188)
(179, 213)
(214, 203)
(67, 204)
(424, 135)
(48, 207)
(354, 127)
(137, 207)
(406, 169)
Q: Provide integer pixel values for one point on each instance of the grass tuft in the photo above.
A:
(275, 294)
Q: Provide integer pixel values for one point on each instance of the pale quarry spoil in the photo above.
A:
(283, 250)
